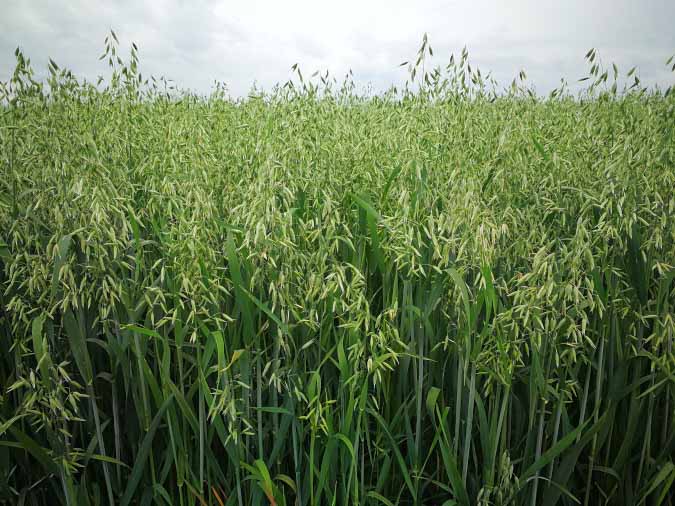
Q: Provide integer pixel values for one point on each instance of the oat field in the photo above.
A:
(447, 294)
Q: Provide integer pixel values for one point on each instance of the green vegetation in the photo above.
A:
(441, 295)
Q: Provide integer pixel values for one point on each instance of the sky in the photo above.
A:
(240, 43)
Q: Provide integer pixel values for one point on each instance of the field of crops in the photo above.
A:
(439, 295)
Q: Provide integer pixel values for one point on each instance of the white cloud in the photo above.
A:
(197, 42)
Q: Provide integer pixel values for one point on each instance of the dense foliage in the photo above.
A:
(440, 295)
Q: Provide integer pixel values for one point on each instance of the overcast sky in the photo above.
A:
(238, 42)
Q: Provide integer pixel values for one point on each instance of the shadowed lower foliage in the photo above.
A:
(443, 295)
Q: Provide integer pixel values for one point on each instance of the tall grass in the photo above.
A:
(446, 294)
